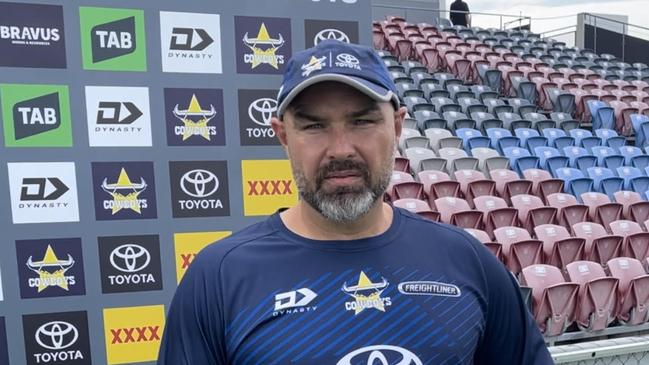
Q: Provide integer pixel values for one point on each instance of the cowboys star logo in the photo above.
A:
(124, 193)
(366, 295)
(51, 271)
(263, 48)
(195, 120)
(314, 64)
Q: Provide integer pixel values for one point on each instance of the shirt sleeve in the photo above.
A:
(511, 335)
(194, 329)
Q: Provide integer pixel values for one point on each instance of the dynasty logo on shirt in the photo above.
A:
(133, 334)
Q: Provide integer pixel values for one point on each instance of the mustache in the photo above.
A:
(342, 165)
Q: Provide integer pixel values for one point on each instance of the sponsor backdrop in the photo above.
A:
(133, 135)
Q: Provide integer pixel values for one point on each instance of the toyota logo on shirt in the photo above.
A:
(56, 335)
(380, 354)
(199, 183)
(330, 34)
(130, 258)
(261, 111)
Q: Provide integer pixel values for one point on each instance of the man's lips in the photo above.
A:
(342, 174)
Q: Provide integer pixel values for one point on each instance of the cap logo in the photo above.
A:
(347, 60)
(314, 64)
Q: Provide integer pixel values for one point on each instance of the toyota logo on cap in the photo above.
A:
(330, 34)
(261, 111)
(56, 335)
(199, 183)
(380, 354)
(130, 258)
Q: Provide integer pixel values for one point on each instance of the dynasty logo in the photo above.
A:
(199, 188)
(317, 31)
(57, 338)
(43, 192)
(195, 117)
(124, 191)
(190, 42)
(118, 116)
(366, 295)
(133, 334)
(32, 35)
(47, 274)
(187, 245)
(256, 110)
(130, 263)
(264, 45)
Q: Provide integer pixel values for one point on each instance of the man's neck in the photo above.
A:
(305, 221)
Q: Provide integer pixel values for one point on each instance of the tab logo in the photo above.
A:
(130, 263)
(50, 268)
(316, 31)
(112, 39)
(36, 115)
(294, 302)
(133, 334)
(256, 109)
(4, 349)
(267, 186)
(263, 45)
(199, 189)
(118, 116)
(43, 192)
(191, 42)
(194, 117)
(124, 190)
(32, 35)
(187, 245)
(57, 338)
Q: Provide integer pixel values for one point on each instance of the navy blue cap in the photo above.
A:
(332, 60)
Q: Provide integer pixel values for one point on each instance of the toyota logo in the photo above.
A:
(56, 335)
(330, 34)
(381, 353)
(264, 108)
(199, 183)
(348, 59)
(131, 258)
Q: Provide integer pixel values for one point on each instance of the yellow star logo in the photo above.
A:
(125, 201)
(55, 278)
(365, 301)
(198, 127)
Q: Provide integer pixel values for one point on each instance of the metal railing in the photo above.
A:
(627, 350)
(627, 29)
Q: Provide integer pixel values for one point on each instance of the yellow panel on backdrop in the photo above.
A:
(187, 245)
(267, 186)
(133, 333)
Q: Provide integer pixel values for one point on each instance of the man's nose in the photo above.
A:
(340, 144)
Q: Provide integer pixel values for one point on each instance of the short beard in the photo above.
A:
(346, 203)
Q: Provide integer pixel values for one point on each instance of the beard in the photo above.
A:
(344, 204)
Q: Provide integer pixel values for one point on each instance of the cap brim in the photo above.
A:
(368, 88)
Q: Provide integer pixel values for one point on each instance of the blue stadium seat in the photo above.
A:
(605, 181)
(608, 157)
(584, 138)
(550, 159)
(634, 179)
(557, 138)
(502, 138)
(640, 124)
(472, 138)
(603, 115)
(630, 152)
(530, 138)
(575, 182)
(610, 138)
(580, 158)
(520, 159)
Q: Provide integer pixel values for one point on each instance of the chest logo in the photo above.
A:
(366, 295)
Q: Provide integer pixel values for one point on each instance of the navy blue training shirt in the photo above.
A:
(420, 293)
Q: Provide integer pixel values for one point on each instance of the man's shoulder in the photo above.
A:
(443, 233)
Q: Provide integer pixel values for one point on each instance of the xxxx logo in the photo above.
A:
(187, 260)
(135, 334)
(187, 245)
(269, 187)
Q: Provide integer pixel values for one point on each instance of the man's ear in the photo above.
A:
(279, 127)
(399, 116)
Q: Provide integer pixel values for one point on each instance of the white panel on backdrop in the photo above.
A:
(118, 116)
(190, 42)
(43, 192)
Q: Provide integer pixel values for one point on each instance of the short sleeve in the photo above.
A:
(511, 336)
(194, 331)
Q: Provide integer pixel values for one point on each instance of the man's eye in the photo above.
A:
(363, 121)
(312, 126)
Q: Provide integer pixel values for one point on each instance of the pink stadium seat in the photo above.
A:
(482, 236)
(519, 249)
(600, 246)
(402, 164)
(635, 208)
(636, 241)
(417, 206)
(633, 290)
(473, 184)
(600, 208)
(412, 189)
(597, 295)
(555, 300)
(496, 213)
(532, 212)
(437, 184)
(542, 183)
(559, 247)
(508, 183)
(457, 211)
(569, 210)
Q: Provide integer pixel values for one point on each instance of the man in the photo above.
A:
(343, 278)
(460, 13)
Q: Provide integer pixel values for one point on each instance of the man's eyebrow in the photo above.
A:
(301, 115)
(373, 108)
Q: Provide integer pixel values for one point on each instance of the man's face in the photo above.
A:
(341, 145)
